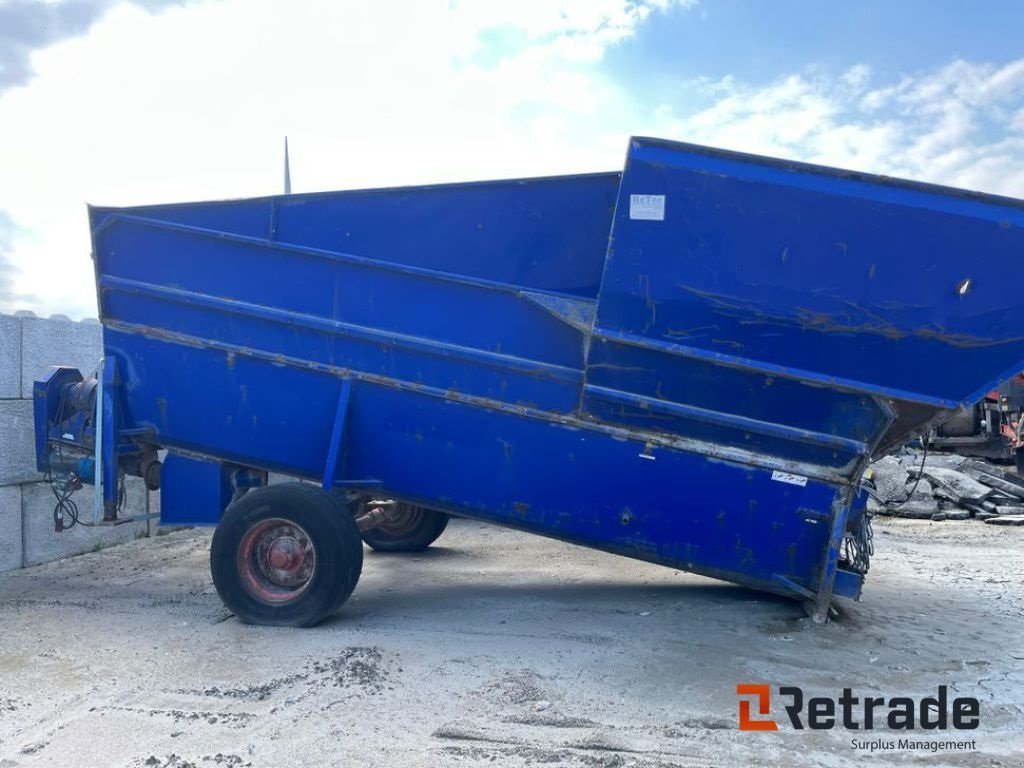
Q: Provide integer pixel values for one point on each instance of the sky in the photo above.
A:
(146, 101)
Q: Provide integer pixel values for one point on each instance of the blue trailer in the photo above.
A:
(689, 362)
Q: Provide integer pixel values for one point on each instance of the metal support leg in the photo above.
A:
(97, 481)
(828, 575)
(337, 436)
(109, 426)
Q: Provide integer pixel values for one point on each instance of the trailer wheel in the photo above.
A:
(286, 555)
(409, 528)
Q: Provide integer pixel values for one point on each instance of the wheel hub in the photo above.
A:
(400, 520)
(285, 554)
(276, 560)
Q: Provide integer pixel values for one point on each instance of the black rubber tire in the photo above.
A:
(423, 528)
(331, 529)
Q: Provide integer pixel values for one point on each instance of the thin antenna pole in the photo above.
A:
(287, 170)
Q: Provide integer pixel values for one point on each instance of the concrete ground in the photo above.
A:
(497, 648)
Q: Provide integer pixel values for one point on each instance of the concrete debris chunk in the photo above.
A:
(961, 485)
(922, 489)
(951, 488)
(942, 461)
(875, 507)
(975, 466)
(1006, 501)
(890, 479)
(952, 514)
(977, 509)
(1001, 484)
(917, 509)
(1006, 520)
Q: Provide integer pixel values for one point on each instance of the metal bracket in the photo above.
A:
(126, 520)
(791, 585)
(97, 485)
(107, 426)
(337, 435)
(820, 610)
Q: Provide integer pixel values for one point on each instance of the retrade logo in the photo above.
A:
(897, 713)
(763, 696)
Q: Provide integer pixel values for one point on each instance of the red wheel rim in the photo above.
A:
(276, 560)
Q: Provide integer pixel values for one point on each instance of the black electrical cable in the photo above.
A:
(65, 509)
(122, 492)
(920, 470)
(858, 547)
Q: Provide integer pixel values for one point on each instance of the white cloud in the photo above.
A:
(1016, 122)
(193, 103)
(27, 25)
(958, 125)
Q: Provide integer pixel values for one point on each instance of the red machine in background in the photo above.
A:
(992, 429)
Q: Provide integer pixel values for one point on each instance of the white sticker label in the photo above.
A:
(786, 477)
(647, 207)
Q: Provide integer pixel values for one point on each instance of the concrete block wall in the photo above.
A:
(29, 345)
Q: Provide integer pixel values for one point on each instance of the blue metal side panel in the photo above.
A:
(544, 234)
(251, 412)
(715, 517)
(652, 389)
(819, 273)
(251, 274)
(681, 509)
(251, 217)
(547, 234)
(848, 584)
(758, 437)
(325, 311)
(193, 491)
(706, 385)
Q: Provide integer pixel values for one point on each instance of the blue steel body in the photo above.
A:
(701, 391)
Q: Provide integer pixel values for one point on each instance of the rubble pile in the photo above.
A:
(945, 487)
